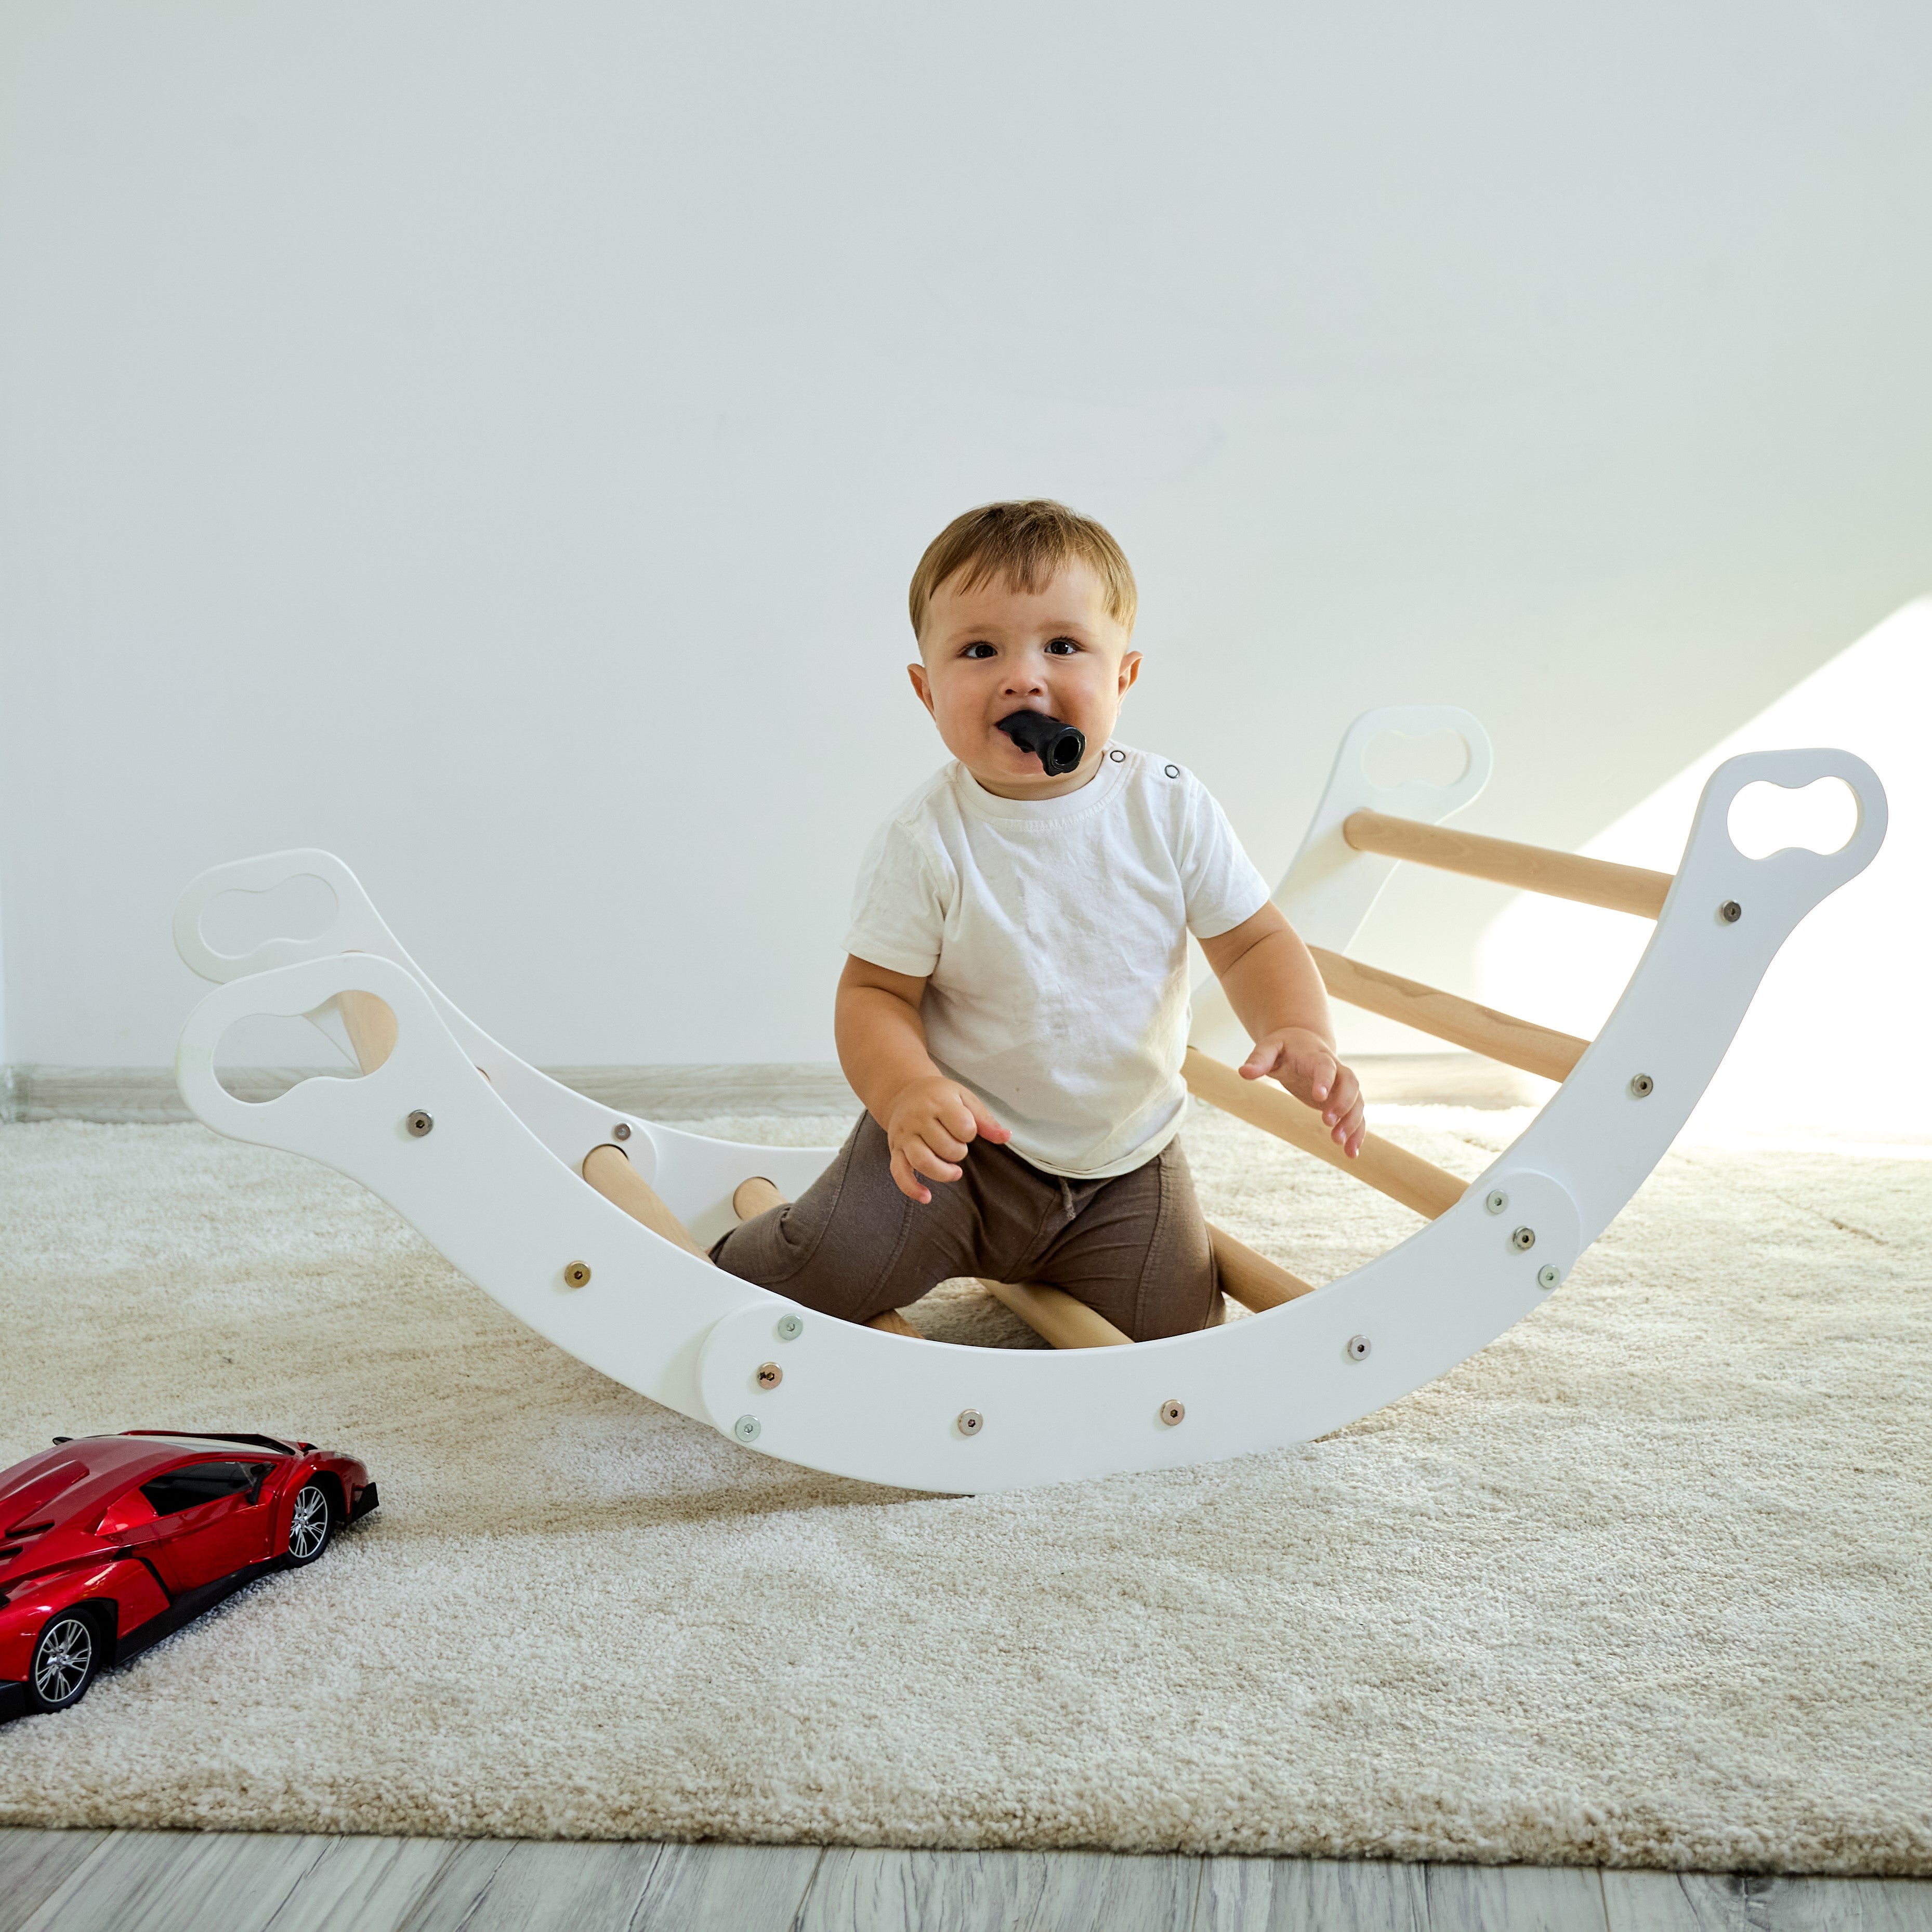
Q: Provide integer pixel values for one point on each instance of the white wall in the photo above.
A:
(1838, 1037)
(492, 442)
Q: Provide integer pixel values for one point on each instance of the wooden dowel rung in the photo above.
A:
(754, 1197)
(1252, 1280)
(1536, 1049)
(371, 1025)
(1392, 1171)
(608, 1169)
(1056, 1317)
(1530, 868)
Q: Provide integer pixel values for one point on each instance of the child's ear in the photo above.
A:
(917, 673)
(1130, 669)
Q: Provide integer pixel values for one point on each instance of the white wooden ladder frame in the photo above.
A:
(496, 1184)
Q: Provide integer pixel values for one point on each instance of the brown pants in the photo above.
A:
(1134, 1248)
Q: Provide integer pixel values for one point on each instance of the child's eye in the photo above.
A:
(980, 650)
(1062, 647)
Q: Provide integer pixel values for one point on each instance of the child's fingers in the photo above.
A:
(1346, 1110)
(1319, 1070)
(984, 1123)
(959, 1118)
(942, 1134)
(1345, 1095)
(1263, 1061)
(908, 1183)
(1308, 1076)
(923, 1160)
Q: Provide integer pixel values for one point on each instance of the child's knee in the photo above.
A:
(1179, 1300)
(844, 1247)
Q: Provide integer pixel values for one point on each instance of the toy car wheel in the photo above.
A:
(311, 1525)
(65, 1658)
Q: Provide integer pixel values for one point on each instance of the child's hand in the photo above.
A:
(1305, 1063)
(928, 1125)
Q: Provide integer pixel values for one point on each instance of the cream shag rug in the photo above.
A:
(1644, 1583)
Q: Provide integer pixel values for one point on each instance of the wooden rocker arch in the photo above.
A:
(490, 1160)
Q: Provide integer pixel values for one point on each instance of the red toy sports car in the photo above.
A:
(109, 1542)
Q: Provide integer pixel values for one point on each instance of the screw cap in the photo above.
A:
(1523, 1239)
(790, 1327)
(418, 1123)
(970, 1422)
(747, 1429)
(576, 1273)
(770, 1375)
(1495, 1201)
(1549, 1275)
(1359, 1346)
(1173, 1413)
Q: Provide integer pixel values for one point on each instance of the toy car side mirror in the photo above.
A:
(124, 1514)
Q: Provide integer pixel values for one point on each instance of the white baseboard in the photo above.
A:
(147, 1094)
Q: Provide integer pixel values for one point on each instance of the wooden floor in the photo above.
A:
(243, 1881)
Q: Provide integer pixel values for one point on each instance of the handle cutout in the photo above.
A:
(260, 1056)
(1390, 759)
(1822, 817)
(299, 908)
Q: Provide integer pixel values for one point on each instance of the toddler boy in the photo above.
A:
(1014, 1009)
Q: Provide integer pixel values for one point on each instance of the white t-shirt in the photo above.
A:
(1053, 935)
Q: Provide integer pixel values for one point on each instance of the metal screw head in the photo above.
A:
(790, 1327)
(1495, 1201)
(1730, 912)
(1358, 1347)
(1642, 1086)
(1549, 1275)
(971, 1422)
(418, 1123)
(746, 1429)
(1173, 1413)
(621, 1131)
(770, 1375)
(1523, 1239)
(576, 1273)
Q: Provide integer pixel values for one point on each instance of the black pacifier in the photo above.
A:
(1059, 748)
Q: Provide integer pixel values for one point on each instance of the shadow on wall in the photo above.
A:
(1837, 1038)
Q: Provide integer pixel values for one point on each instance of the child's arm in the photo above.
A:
(927, 1118)
(1276, 993)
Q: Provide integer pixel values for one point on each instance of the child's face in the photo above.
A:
(990, 651)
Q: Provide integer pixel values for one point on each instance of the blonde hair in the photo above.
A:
(1027, 544)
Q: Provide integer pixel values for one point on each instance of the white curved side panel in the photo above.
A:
(478, 1184)
(1328, 890)
(852, 1401)
(1448, 1291)
(694, 1175)
(356, 926)
(860, 1403)
(1691, 989)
